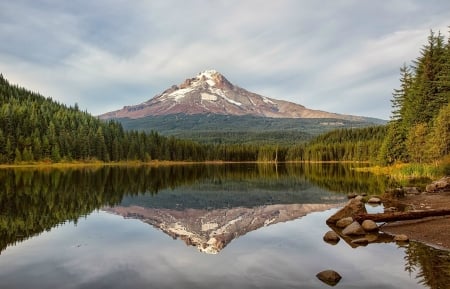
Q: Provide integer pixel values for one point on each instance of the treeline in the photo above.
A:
(358, 144)
(419, 130)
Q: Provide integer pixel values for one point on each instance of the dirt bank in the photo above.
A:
(432, 231)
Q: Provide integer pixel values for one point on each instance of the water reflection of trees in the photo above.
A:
(431, 266)
(341, 178)
(35, 200)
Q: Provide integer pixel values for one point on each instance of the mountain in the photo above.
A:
(210, 109)
(211, 93)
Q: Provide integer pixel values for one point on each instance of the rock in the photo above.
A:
(411, 190)
(360, 241)
(374, 200)
(359, 198)
(331, 237)
(353, 229)
(329, 277)
(401, 238)
(351, 195)
(391, 209)
(369, 225)
(440, 185)
(353, 207)
(344, 222)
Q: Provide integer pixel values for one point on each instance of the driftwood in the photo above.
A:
(402, 216)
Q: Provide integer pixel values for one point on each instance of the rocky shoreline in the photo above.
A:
(348, 223)
(404, 206)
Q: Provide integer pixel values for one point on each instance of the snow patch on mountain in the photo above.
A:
(207, 96)
(266, 100)
(180, 93)
(220, 93)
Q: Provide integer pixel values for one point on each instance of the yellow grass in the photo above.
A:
(403, 171)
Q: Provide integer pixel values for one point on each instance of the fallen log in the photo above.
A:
(401, 216)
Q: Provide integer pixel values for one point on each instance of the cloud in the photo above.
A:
(341, 57)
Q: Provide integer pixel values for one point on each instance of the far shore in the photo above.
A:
(149, 163)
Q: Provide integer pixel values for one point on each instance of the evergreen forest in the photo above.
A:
(419, 130)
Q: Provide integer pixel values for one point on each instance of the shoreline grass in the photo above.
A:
(408, 171)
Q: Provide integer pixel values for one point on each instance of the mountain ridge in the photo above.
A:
(211, 93)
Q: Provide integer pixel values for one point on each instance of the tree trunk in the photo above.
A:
(402, 216)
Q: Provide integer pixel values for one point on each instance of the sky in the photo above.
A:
(338, 56)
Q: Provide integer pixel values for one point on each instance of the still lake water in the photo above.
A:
(221, 226)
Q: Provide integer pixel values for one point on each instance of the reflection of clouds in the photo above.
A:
(128, 253)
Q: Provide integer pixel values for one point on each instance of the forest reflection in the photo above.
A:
(35, 200)
(430, 265)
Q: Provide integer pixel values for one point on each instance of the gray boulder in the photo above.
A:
(344, 222)
(353, 207)
(369, 225)
(440, 185)
(353, 229)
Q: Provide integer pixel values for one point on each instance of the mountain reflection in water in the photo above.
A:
(211, 230)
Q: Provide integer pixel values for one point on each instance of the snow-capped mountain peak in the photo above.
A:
(209, 92)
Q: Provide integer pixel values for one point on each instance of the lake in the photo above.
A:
(197, 226)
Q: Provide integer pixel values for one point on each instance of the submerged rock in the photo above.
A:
(353, 229)
(331, 237)
(329, 277)
(369, 225)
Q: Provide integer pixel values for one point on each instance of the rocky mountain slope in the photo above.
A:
(211, 93)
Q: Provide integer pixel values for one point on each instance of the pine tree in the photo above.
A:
(438, 144)
(400, 96)
(416, 142)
